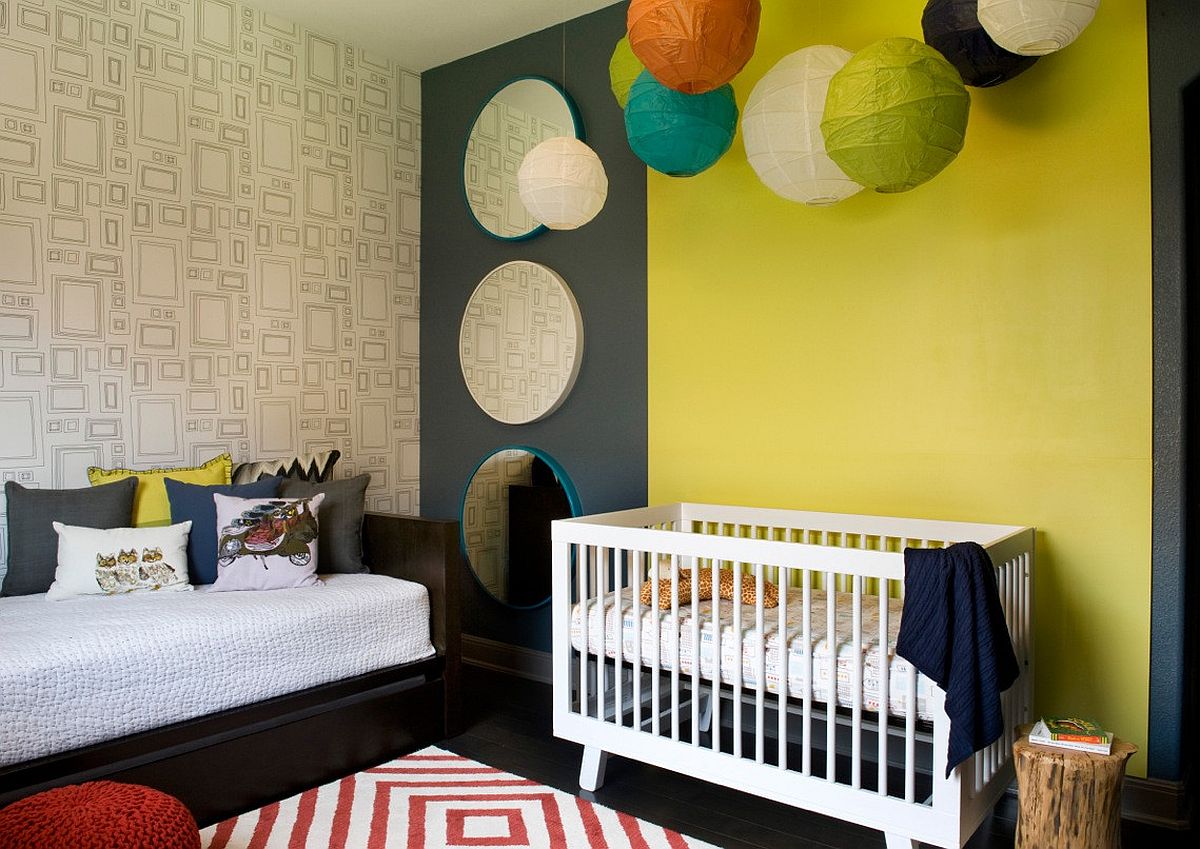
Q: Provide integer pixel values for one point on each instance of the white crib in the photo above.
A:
(804, 703)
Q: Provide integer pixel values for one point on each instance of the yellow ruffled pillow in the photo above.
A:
(150, 505)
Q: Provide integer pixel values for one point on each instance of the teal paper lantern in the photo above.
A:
(679, 134)
(895, 115)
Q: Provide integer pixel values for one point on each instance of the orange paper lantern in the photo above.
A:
(693, 46)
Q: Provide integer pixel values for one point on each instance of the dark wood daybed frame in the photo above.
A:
(236, 760)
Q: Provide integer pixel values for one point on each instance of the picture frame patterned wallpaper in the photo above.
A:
(209, 241)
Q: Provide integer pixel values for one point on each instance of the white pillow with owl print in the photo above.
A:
(115, 561)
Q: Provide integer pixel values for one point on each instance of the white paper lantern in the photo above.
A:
(1035, 27)
(781, 128)
(562, 183)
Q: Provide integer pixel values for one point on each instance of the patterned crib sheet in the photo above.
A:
(655, 621)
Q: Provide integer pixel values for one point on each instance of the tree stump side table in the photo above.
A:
(1068, 799)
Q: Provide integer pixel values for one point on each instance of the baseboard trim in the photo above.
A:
(515, 660)
(1155, 802)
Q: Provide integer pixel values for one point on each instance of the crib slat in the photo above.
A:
(997, 757)
(1018, 716)
(1028, 605)
(715, 566)
(695, 613)
(1012, 718)
(596, 643)
(638, 564)
(781, 665)
(1002, 587)
(910, 712)
(601, 664)
(656, 669)
(809, 668)
(989, 768)
(1009, 595)
(1018, 606)
(856, 714)
(1019, 609)
(831, 700)
(737, 660)
(1027, 591)
(910, 738)
(621, 558)
(885, 674)
(1019, 643)
(1023, 629)
(585, 624)
(674, 646)
(1027, 628)
(760, 629)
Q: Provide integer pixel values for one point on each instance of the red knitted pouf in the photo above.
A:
(98, 815)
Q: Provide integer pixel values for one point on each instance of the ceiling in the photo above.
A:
(422, 34)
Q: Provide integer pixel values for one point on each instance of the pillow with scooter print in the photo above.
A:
(266, 543)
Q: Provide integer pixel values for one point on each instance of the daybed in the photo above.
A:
(236, 759)
(826, 718)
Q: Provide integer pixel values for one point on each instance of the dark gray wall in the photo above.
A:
(1173, 26)
(599, 434)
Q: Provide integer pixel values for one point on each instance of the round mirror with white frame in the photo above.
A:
(509, 502)
(513, 121)
(520, 345)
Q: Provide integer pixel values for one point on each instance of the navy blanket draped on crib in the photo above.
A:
(953, 631)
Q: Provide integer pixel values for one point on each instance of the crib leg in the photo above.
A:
(706, 711)
(899, 841)
(591, 771)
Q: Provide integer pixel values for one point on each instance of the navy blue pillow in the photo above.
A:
(195, 502)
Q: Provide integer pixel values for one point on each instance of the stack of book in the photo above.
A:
(1070, 732)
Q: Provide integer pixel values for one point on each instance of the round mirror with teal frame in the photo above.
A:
(519, 115)
(507, 505)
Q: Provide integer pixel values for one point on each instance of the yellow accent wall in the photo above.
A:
(976, 349)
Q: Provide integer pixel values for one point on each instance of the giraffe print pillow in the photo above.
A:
(685, 589)
(749, 589)
(725, 588)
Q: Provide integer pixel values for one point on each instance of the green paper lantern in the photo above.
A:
(679, 134)
(895, 115)
(623, 69)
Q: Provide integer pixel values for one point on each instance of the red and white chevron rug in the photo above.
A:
(433, 799)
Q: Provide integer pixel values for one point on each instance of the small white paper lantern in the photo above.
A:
(1035, 27)
(562, 183)
(781, 128)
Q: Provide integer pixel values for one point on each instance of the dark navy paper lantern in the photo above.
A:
(679, 134)
(952, 28)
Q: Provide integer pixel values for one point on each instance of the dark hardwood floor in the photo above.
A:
(509, 727)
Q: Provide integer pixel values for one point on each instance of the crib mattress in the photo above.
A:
(655, 621)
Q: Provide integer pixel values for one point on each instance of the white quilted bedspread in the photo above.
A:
(80, 671)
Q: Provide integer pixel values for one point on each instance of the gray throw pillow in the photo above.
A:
(339, 540)
(32, 542)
